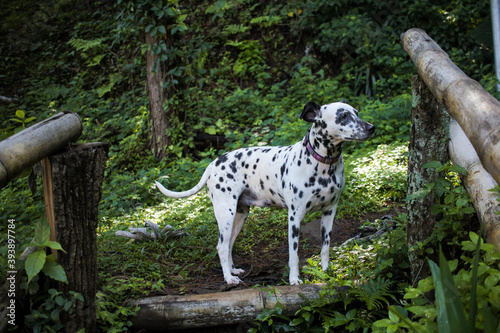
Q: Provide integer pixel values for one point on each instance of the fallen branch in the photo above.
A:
(151, 231)
(4, 99)
(165, 313)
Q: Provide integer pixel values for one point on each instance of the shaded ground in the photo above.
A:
(268, 267)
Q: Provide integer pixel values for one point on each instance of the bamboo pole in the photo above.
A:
(24, 149)
(476, 111)
(165, 313)
(478, 182)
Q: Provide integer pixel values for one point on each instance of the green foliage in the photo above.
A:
(476, 284)
(38, 260)
(114, 302)
(453, 206)
(47, 317)
(377, 176)
(20, 120)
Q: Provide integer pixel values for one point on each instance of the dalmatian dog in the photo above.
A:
(305, 177)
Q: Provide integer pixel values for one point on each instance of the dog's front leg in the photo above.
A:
(294, 218)
(326, 228)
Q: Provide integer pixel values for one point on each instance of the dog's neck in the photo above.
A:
(321, 149)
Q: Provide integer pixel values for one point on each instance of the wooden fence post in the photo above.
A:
(428, 142)
(74, 180)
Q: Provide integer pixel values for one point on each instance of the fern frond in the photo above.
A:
(374, 293)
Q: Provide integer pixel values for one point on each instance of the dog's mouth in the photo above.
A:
(359, 137)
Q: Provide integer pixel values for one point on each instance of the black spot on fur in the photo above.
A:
(282, 169)
(295, 246)
(262, 184)
(239, 155)
(233, 166)
(295, 232)
(324, 181)
(221, 159)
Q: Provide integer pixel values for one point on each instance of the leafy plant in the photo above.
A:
(47, 317)
(38, 261)
(473, 290)
(21, 120)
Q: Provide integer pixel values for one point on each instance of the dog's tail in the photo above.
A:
(187, 193)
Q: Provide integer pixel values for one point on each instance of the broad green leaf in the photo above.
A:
(473, 237)
(450, 311)
(42, 232)
(20, 114)
(53, 245)
(34, 264)
(432, 164)
(55, 271)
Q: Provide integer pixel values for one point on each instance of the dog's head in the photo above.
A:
(335, 123)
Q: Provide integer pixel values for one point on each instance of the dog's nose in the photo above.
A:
(370, 128)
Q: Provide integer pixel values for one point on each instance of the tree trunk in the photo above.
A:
(158, 120)
(429, 140)
(72, 182)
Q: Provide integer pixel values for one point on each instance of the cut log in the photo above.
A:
(72, 190)
(24, 149)
(478, 182)
(476, 111)
(163, 313)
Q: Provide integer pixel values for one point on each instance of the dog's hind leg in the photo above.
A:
(241, 215)
(225, 215)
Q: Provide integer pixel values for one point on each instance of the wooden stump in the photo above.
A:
(429, 142)
(72, 190)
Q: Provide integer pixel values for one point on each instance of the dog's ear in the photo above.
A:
(311, 112)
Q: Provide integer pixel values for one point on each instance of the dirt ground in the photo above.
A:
(264, 268)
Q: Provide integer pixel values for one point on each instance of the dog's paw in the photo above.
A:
(237, 271)
(233, 280)
(295, 282)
